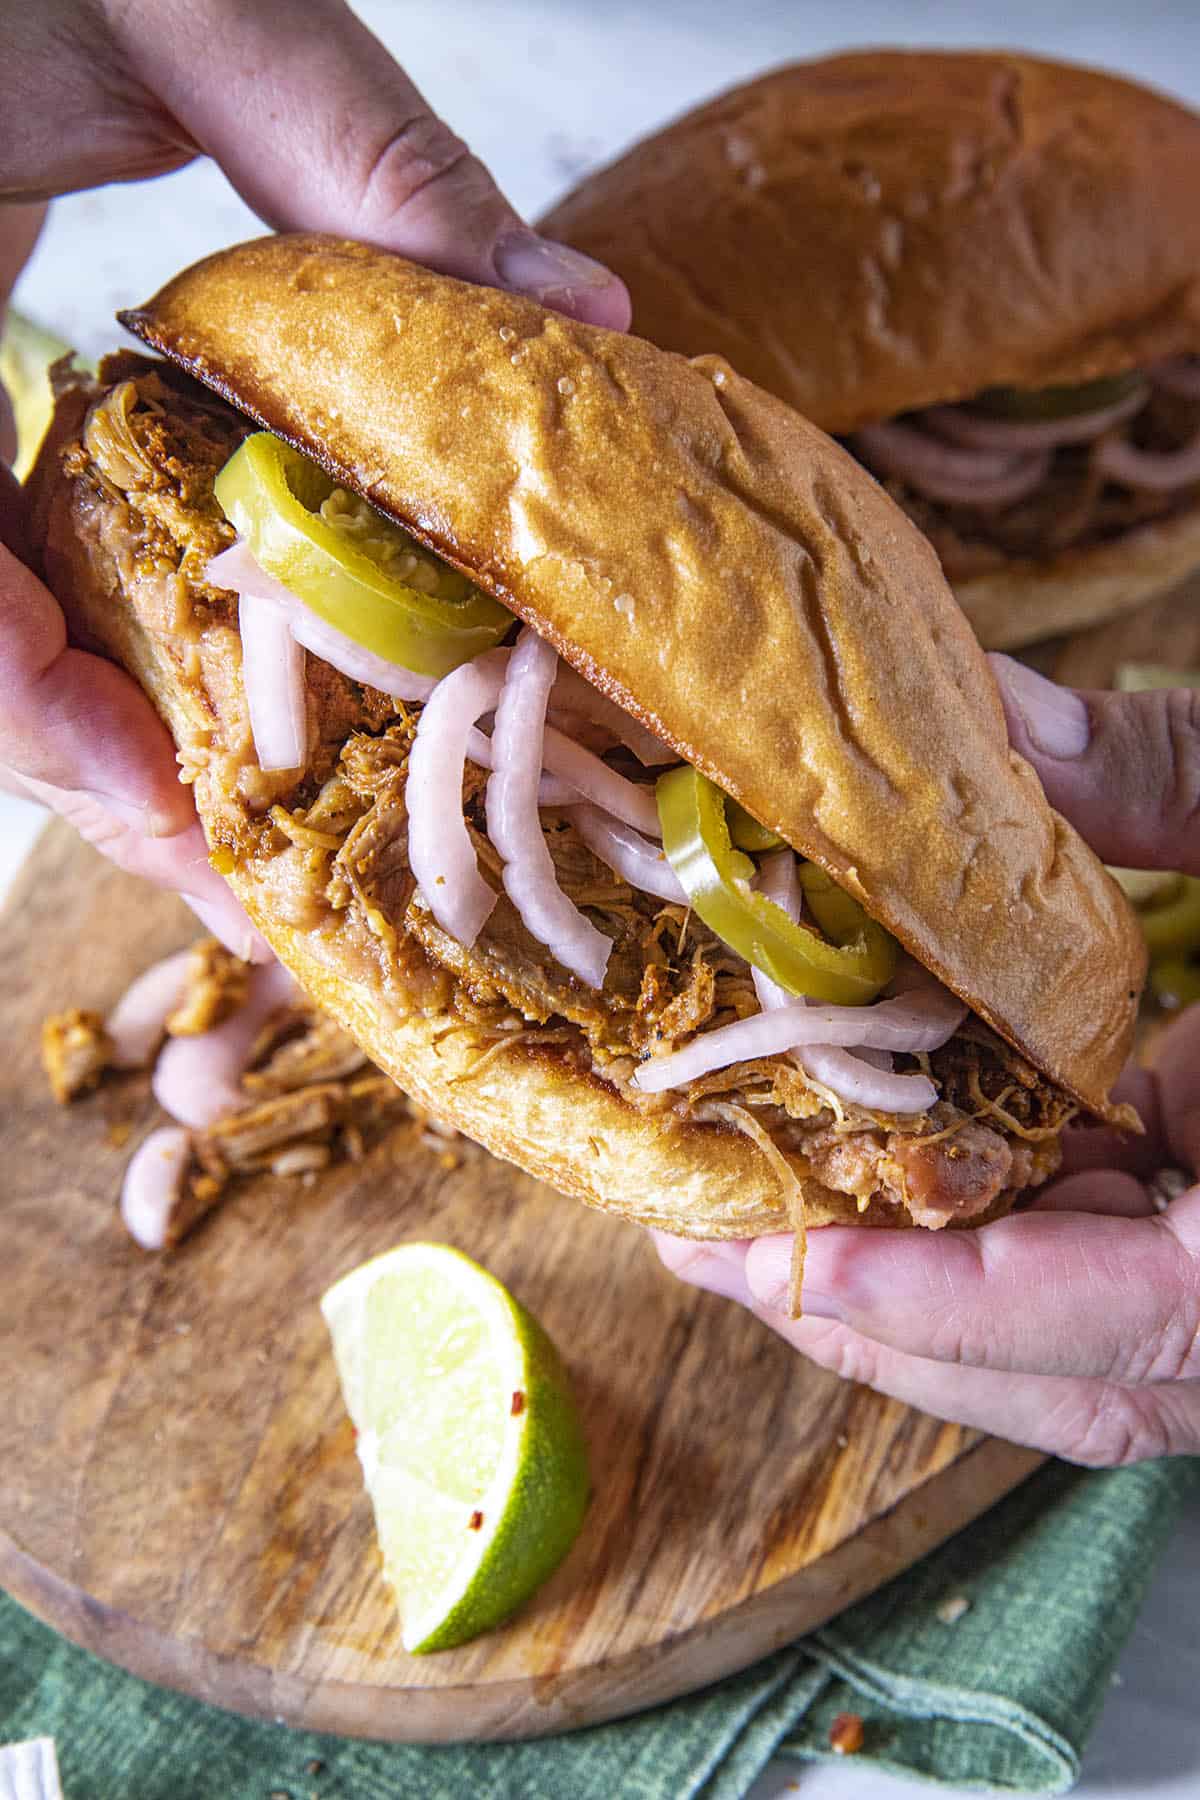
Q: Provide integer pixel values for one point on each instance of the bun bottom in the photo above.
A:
(1029, 600)
(567, 1128)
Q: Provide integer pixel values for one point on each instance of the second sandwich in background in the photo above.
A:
(982, 271)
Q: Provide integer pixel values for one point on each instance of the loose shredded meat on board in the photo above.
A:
(343, 827)
(76, 1050)
(312, 1098)
(215, 985)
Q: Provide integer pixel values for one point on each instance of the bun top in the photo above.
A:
(716, 565)
(871, 233)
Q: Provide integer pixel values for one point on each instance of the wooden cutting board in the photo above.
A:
(178, 1486)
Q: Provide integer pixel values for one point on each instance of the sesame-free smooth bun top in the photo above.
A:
(871, 233)
(717, 565)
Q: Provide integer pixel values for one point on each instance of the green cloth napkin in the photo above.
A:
(1003, 1697)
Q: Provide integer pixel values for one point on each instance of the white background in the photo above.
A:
(542, 92)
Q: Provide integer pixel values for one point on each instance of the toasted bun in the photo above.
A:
(1027, 601)
(870, 233)
(719, 567)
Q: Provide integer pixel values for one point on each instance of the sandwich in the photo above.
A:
(595, 741)
(980, 271)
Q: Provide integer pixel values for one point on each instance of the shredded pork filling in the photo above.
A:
(338, 838)
(1073, 506)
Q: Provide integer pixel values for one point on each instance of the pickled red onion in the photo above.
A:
(981, 431)
(138, 1021)
(197, 1079)
(942, 472)
(552, 790)
(1162, 471)
(921, 1021)
(779, 880)
(354, 660)
(440, 852)
(634, 858)
(152, 1182)
(1179, 375)
(513, 823)
(573, 694)
(238, 569)
(858, 1078)
(273, 677)
(595, 781)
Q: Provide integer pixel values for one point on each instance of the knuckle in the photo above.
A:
(420, 153)
(853, 1358)
(1169, 1351)
(1169, 1348)
(955, 1339)
(1118, 1426)
(1179, 725)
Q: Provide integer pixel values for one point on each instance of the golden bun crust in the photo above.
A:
(1028, 601)
(717, 565)
(870, 233)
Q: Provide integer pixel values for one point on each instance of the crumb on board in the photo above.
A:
(216, 983)
(313, 1100)
(76, 1050)
(951, 1609)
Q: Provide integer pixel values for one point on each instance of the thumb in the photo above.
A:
(73, 720)
(320, 130)
(1123, 768)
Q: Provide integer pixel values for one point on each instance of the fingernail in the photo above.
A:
(777, 1297)
(549, 272)
(716, 1274)
(236, 933)
(1055, 718)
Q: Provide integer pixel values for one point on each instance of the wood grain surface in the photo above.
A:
(178, 1487)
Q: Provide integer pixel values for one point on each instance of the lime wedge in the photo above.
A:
(469, 1440)
(1144, 887)
(1137, 678)
(26, 352)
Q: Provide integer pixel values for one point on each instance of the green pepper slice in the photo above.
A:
(1140, 678)
(1173, 927)
(1058, 402)
(716, 878)
(1147, 887)
(1175, 983)
(351, 566)
(746, 832)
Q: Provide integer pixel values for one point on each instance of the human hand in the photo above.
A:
(318, 129)
(1075, 1326)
